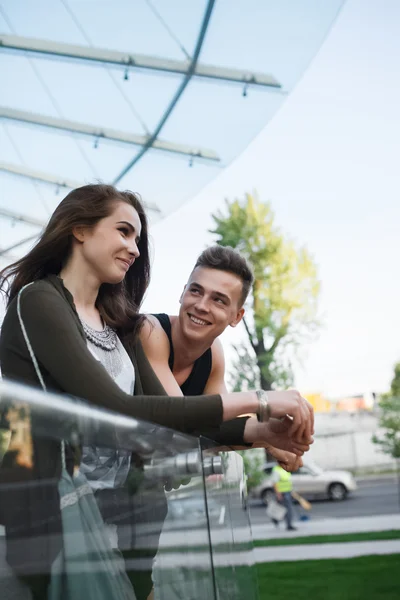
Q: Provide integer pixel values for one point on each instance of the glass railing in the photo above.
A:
(144, 509)
(230, 533)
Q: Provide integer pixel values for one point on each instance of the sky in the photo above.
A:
(327, 159)
(328, 162)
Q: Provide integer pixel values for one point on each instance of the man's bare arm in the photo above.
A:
(155, 343)
(216, 381)
(156, 346)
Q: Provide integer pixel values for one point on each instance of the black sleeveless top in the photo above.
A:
(196, 382)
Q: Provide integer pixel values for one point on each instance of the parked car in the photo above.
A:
(310, 481)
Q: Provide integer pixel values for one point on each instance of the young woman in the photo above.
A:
(88, 274)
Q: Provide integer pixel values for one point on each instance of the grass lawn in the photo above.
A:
(361, 578)
(365, 536)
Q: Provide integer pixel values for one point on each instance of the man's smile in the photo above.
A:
(198, 321)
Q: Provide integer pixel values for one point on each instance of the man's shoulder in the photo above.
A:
(154, 322)
(217, 346)
(153, 336)
(150, 325)
(217, 353)
(160, 319)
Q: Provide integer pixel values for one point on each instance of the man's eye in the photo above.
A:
(219, 300)
(195, 291)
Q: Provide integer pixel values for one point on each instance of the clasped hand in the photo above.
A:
(291, 405)
(288, 433)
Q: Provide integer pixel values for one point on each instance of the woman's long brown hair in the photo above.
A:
(118, 303)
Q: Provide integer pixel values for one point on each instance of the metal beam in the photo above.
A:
(105, 133)
(178, 93)
(4, 251)
(53, 180)
(122, 59)
(39, 176)
(9, 214)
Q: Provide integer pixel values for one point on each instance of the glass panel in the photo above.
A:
(275, 38)
(113, 502)
(230, 530)
(183, 567)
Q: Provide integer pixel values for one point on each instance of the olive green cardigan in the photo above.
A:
(58, 341)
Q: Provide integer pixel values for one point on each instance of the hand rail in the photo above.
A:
(73, 419)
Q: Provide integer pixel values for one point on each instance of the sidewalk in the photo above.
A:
(173, 560)
(295, 552)
(329, 550)
(328, 527)
(376, 478)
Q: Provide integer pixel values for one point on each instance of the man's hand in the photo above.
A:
(275, 433)
(292, 404)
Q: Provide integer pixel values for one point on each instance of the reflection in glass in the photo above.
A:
(192, 497)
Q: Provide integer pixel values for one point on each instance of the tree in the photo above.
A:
(395, 385)
(283, 303)
(389, 423)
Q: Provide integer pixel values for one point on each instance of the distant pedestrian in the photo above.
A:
(283, 486)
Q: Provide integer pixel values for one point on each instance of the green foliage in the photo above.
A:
(253, 461)
(283, 305)
(389, 421)
(395, 385)
(4, 441)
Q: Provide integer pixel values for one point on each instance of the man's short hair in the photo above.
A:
(225, 258)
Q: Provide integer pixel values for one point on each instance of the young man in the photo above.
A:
(185, 351)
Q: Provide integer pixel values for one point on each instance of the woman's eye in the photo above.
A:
(123, 230)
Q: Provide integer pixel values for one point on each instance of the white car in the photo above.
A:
(309, 481)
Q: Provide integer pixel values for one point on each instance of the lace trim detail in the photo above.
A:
(74, 497)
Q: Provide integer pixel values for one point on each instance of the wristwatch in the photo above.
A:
(264, 409)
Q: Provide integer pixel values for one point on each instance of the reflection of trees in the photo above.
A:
(5, 437)
(18, 439)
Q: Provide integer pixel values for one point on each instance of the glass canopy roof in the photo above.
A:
(155, 96)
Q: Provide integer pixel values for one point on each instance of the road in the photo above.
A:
(372, 498)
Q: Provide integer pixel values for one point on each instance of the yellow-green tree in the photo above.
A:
(388, 437)
(389, 420)
(282, 309)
